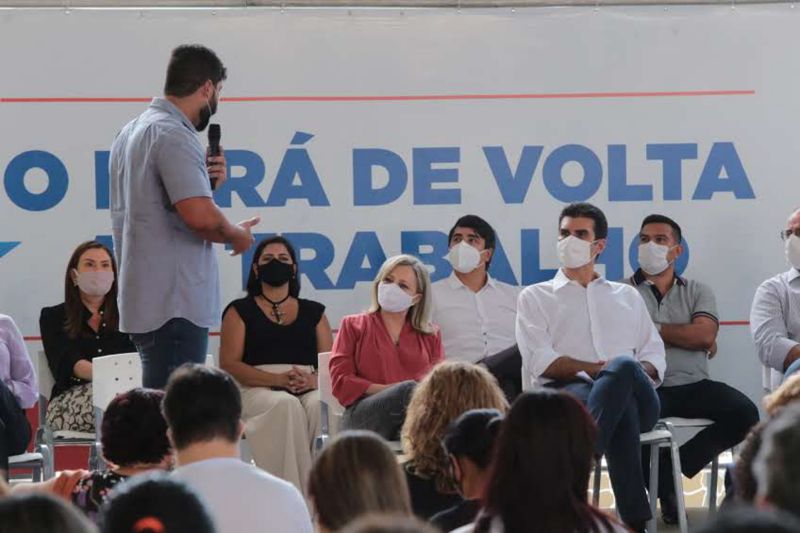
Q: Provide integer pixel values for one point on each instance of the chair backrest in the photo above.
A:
(43, 375)
(325, 386)
(114, 374)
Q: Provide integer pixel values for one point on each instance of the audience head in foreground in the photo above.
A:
(41, 513)
(156, 503)
(389, 523)
(469, 444)
(449, 390)
(543, 458)
(356, 474)
(777, 465)
(746, 519)
(745, 485)
(203, 407)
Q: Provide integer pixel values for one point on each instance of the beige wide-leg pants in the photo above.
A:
(280, 429)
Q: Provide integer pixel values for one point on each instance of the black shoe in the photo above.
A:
(638, 527)
(669, 510)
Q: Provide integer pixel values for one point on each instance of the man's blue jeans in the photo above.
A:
(624, 404)
(177, 342)
(793, 368)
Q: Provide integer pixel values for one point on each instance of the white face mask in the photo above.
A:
(464, 257)
(653, 257)
(574, 252)
(392, 298)
(94, 283)
(792, 248)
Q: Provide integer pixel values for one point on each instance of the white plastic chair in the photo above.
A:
(113, 375)
(46, 439)
(660, 437)
(36, 461)
(692, 426)
(331, 411)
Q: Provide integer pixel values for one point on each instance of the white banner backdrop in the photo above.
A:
(361, 133)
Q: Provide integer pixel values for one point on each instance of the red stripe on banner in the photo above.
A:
(398, 98)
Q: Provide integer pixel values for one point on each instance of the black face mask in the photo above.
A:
(275, 273)
(206, 112)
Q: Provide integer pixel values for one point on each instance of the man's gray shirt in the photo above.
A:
(686, 300)
(166, 270)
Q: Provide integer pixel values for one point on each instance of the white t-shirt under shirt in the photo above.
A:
(244, 499)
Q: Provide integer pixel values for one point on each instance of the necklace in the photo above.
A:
(277, 314)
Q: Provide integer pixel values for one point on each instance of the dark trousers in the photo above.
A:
(383, 413)
(15, 431)
(177, 342)
(624, 404)
(732, 412)
(506, 366)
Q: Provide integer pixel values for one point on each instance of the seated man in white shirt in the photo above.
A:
(594, 338)
(775, 313)
(475, 312)
(203, 409)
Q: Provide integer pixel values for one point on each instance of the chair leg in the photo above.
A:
(598, 473)
(678, 479)
(712, 486)
(652, 525)
(95, 460)
(48, 467)
(36, 473)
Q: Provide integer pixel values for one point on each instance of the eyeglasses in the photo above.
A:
(786, 233)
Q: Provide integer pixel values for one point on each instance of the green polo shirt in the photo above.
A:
(684, 301)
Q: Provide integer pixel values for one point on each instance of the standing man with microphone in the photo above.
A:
(165, 221)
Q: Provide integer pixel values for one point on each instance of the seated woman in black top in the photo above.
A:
(85, 326)
(270, 341)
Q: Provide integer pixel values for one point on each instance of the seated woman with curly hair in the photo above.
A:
(451, 389)
(134, 439)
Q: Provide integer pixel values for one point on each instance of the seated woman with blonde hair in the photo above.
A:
(270, 342)
(378, 356)
(451, 389)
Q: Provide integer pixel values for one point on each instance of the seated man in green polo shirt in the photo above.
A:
(685, 314)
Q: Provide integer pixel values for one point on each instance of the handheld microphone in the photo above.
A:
(214, 136)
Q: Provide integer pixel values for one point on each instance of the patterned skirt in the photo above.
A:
(72, 410)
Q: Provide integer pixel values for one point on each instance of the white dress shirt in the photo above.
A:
(596, 323)
(474, 324)
(775, 322)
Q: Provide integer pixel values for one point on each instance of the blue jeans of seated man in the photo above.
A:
(793, 368)
(177, 342)
(624, 404)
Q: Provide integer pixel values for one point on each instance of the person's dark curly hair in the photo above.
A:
(134, 430)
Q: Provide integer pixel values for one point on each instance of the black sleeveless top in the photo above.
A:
(268, 343)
